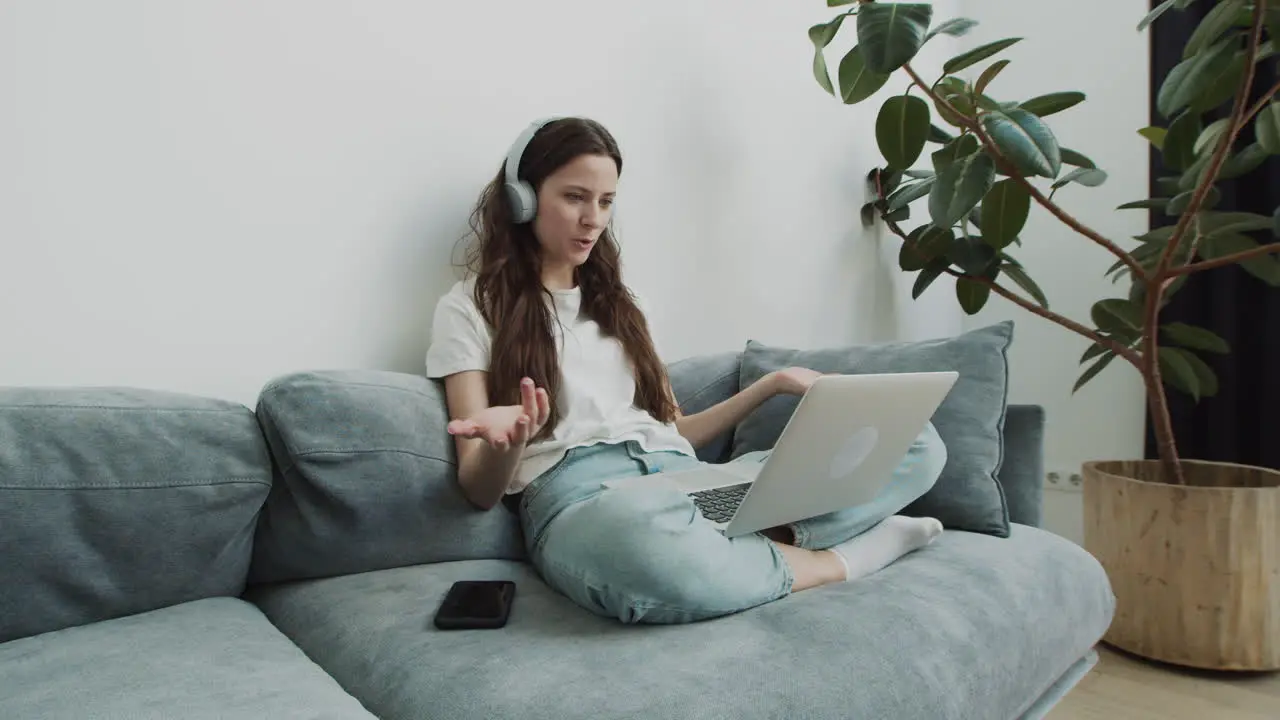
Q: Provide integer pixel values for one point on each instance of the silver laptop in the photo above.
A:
(838, 450)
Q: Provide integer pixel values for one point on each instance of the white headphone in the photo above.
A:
(521, 195)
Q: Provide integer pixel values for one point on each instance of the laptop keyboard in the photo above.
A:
(719, 504)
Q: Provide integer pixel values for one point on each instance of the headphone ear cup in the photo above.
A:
(524, 201)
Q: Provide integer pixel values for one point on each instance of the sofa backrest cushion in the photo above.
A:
(115, 501)
(701, 382)
(366, 479)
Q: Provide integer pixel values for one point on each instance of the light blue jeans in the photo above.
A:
(644, 553)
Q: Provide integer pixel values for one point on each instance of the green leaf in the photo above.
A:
(838, 3)
(1243, 162)
(918, 174)
(857, 83)
(1152, 16)
(1025, 140)
(1148, 204)
(988, 75)
(1155, 135)
(1181, 201)
(868, 214)
(902, 214)
(901, 129)
(928, 275)
(972, 294)
(955, 110)
(1094, 350)
(1116, 315)
(1092, 371)
(962, 146)
(909, 193)
(1218, 20)
(1222, 85)
(1179, 145)
(910, 256)
(972, 255)
(960, 187)
(890, 34)
(1177, 371)
(1240, 163)
(1071, 157)
(1084, 176)
(1024, 281)
(940, 136)
(1215, 223)
(1205, 377)
(1267, 128)
(1046, 105)
(1191, 78)
(936, 241)
(1005, 209)
(1264, 267)
(820, 72)
(955, 27)
(1210, 136)
(975, 55)
(1196, 338)
(954, 84)
(1275, 223)
(822, 34)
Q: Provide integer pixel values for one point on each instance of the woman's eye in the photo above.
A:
(576, 197)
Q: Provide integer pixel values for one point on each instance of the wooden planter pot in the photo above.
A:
(1195, 568)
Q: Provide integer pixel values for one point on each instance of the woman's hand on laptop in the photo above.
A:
(793, 380)
(508, 426)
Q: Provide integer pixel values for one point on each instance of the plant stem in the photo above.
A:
(1262, 102)
(1224, 260)
(1161, 421)
(1039, 197)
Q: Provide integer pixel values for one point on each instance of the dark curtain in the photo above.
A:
(1241, 424)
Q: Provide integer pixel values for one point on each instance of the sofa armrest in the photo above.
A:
(1022, 471)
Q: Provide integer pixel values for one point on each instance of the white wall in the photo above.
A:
(1091, 46)
(201, 195)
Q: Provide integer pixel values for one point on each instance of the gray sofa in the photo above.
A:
(170, 556)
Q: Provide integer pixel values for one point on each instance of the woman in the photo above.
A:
(545, 315)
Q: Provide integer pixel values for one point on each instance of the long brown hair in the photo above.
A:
(506, 259)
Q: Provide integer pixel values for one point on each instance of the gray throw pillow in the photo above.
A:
(967, 496)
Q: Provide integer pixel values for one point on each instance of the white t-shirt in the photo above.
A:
(597, 391)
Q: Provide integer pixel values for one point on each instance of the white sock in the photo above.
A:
(892, 538)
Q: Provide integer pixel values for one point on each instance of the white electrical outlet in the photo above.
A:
(1063, 481)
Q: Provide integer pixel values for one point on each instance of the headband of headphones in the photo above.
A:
(520, 145)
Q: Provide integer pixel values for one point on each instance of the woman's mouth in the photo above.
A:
(583, 243)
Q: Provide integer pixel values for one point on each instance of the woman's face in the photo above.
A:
(575, 204)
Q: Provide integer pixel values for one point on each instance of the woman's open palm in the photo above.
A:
(508, 426)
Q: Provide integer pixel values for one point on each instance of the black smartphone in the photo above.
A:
(476, 604)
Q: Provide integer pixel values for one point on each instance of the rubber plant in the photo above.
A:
(995, 157)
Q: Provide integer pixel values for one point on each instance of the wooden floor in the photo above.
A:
(1125, 687)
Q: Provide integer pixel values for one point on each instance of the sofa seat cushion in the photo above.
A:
(215, 658)
(972, 626)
